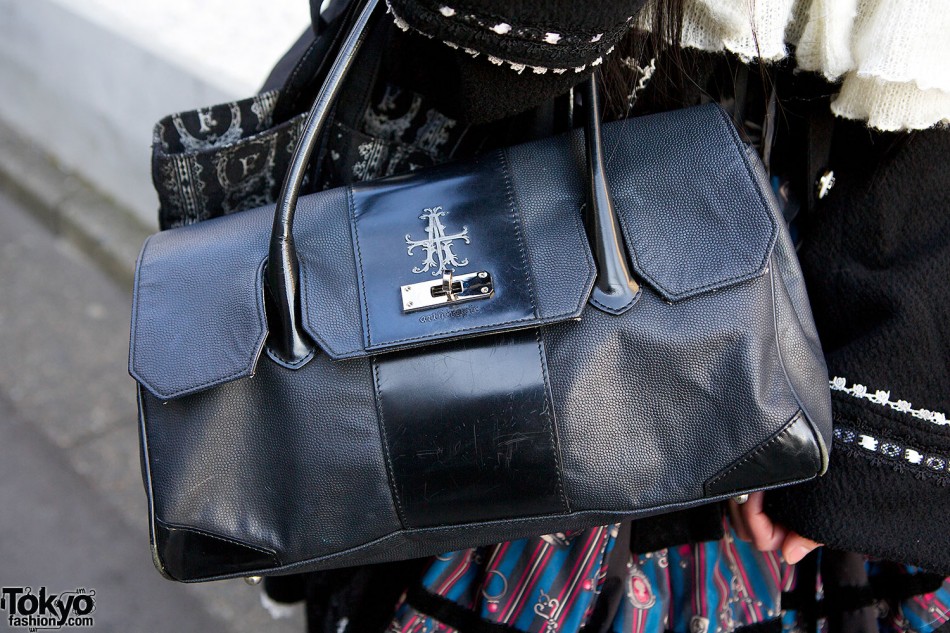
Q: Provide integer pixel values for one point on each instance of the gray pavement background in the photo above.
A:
(72, 508)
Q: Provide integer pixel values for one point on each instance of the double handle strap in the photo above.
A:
(614, 292)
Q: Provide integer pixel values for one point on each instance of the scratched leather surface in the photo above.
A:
(644, 405)
(477, 440)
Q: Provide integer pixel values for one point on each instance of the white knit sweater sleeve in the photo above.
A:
(891, 56)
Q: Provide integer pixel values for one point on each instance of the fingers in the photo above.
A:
(797, 547)
(752, 524)
(738, 523)
(766, 535)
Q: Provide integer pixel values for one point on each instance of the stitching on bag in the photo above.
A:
(389, 463)
(515, 218)
(589, 256)
(244, 371)
(765, 207)
(578, 226)
(621, 309)
(778, 343)
(359, 259)
(311, 330)
(713, 285)
(551, 420)
(757, 450)
(306, 298)
(202, 386)
(822, 448)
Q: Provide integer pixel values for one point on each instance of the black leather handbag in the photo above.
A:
(455, 357)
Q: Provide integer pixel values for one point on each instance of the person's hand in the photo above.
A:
(752, 524)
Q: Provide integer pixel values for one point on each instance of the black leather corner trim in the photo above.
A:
(188, 554)
(792, 454)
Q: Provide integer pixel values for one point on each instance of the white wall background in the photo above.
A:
(87, 79)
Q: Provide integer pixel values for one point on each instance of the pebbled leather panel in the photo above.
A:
(796, 337)
(552, 216)
(274, 459)
(197, 311)
(329, 286)
(188, 554)
(469, 431)
(691, 226)
(668, 425)
(791, 455)
(193, 326)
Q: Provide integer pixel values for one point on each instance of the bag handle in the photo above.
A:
(615, 291)
(288, 342)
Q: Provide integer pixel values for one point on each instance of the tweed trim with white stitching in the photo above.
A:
(883, 398)
(500, 29)
(893, 451)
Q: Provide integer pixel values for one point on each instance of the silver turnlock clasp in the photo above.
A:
(447, 291)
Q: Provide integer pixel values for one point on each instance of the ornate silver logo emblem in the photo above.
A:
(437, 244)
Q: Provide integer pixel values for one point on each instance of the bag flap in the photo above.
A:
(408, 231)
(698, 216)
(691, 205)
(199, 314)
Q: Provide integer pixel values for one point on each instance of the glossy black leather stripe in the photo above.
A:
(407, 230)
(470, 431)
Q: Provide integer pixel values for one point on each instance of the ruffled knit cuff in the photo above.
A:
(890, 56)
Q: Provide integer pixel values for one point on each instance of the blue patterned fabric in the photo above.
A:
(550, 583)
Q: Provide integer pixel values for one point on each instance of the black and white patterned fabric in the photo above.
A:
(229, 157)
(221, 159)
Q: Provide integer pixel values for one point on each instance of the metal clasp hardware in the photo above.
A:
(449, 290)
(825, 183)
